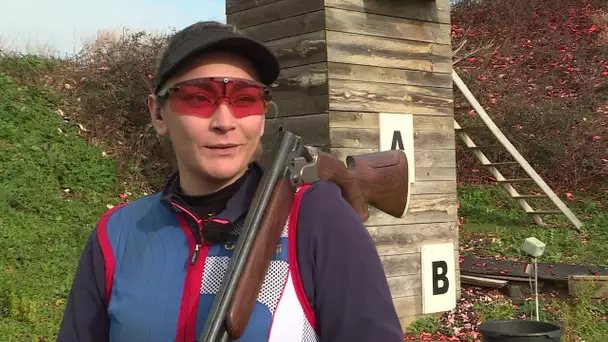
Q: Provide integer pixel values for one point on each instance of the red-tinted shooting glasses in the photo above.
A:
(202, 96)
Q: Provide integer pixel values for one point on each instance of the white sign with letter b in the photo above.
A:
(438, 277)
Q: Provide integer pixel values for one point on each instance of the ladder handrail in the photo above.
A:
(513, 151)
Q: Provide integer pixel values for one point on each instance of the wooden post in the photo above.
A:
(367, 75)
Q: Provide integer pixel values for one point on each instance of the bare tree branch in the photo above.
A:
(487, 46)
(461, 45)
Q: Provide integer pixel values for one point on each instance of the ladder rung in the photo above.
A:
(520, 180)
(501, 163)
(483, 146)
(471, 128)
(529, 196)
(544, 212)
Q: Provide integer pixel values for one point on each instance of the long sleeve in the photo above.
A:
(341, 271)
(85, 318)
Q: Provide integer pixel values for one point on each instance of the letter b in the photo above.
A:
(440, 266)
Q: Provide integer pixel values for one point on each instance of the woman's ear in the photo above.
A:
(154, 107)
(272, 111)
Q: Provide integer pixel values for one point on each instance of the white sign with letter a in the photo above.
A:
(438, 277)
(397, 133)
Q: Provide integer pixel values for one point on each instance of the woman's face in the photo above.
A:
(217, 143)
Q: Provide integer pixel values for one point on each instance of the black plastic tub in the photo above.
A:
(519, 331)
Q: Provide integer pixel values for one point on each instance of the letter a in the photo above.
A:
(397, 140)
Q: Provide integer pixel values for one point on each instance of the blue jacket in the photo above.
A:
(140, 278)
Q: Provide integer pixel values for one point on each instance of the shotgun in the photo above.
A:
(377, 179)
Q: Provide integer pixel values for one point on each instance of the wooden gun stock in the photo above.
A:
(383, 179)
(378, 179)
(332, 169)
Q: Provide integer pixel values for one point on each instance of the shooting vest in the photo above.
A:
(155, 294)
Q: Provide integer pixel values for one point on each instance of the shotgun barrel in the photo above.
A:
(279, 179)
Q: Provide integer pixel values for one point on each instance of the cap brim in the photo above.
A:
(262, 59)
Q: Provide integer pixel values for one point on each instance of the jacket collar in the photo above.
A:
(236, 207)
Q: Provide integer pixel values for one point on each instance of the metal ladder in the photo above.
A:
(519, 159)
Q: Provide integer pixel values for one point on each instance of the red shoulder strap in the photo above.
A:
(293, 255)
(106, 249)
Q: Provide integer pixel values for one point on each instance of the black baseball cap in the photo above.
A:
(212, 39)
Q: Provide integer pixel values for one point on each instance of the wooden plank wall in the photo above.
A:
(343, 62)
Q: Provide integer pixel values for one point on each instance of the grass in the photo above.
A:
(54, 189)
(494, 225)
(425, 325)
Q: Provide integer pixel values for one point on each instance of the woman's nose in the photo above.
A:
(223, 119)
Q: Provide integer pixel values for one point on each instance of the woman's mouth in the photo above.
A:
(223, 149)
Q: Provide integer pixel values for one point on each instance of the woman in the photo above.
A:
(151, 268)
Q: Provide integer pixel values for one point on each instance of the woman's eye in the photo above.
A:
(197, 99)
(200, 98)
(245, 99)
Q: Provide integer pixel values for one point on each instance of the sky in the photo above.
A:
(61, 26)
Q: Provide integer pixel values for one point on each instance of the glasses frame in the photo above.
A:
(168, 90)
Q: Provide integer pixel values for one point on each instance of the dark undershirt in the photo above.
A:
(211, 204)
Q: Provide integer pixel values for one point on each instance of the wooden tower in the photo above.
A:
(368, 75)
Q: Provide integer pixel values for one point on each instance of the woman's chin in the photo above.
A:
(225, 169)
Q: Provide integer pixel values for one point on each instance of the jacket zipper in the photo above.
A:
(188, 297)
(198, 236)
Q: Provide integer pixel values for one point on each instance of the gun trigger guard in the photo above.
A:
(306, 166)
